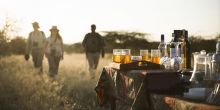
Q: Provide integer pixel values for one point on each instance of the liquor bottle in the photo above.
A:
(178, 49)
(216, 63)
(186, 51)
(173, 52)
(164, 59)
(167, 59)
(179, 55)
(162, 46)
(174, 60)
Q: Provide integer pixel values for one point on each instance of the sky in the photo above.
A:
(74, 17)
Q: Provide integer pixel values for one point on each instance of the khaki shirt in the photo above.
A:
(55, 45)
(36, 39)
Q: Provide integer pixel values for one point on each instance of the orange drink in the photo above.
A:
(117, 58)
(155, 60)
(144, 55)
(125, 56)
(125, 59)
(155, 56)
(117, 55)
(145, 58)
(121, 56)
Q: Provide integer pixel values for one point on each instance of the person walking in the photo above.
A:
(54, 51)
(93, 44)
(35, 45)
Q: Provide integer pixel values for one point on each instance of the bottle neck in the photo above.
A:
(162, 38)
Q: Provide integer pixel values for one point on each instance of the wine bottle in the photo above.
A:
(186, 51)
(162, 46)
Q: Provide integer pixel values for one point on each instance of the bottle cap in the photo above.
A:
(162, 37)
(186, 34)
(174, 37)
(202, 52)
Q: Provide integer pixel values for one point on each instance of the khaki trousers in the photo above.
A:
(93, 59)
(37, 57)
(54, 62)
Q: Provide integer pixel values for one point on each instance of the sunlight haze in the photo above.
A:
(74, 17)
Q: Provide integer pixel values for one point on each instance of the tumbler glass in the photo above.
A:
(155, 56)
(117, 55)
(144, 55)
(125, 56)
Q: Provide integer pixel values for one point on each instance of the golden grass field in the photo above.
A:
(22, 88)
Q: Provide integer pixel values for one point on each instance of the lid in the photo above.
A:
(162, 37)
(186, 34)
(174, 37)
(195, 53)
(202, 52)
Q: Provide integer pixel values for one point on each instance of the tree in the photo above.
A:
(198, 44)
(218, 37)
(6, 31)
(117, 39)
(74, 48)
(3, 42)
(136, 41)
(131, 40)
(17, 46)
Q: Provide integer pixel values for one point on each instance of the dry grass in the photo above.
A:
(21, 88)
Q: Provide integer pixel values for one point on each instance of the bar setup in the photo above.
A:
(162, 78)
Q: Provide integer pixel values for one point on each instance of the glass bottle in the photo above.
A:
(179, 55)
(216, 62)
(186, 51)
(174, 60)
(162, 46)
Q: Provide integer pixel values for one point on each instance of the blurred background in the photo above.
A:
(134, 24)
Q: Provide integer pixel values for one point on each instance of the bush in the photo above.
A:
(17, 46)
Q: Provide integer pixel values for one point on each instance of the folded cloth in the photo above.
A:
(105, 89)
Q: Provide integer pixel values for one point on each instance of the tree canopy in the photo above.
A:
(113, 40)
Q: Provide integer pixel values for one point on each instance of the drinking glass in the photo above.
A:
(117, 55)
(155, 56)
(144, 55)
(125, 56)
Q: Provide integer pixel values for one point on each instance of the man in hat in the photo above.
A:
(93, 44)
(35, 46)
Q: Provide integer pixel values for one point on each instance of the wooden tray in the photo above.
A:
(138, 65)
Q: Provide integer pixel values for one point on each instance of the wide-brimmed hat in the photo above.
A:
(36, 24)
(54, 28)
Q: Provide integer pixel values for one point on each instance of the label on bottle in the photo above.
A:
(162, 51)
(172, 52)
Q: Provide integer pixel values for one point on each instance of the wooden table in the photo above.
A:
(128, 90)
